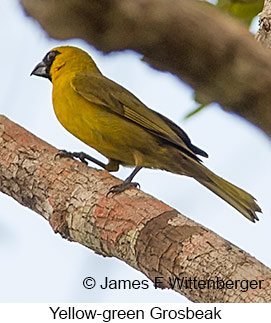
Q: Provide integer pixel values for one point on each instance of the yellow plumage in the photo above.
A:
(110, 119)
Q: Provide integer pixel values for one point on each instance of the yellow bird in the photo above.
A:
(113, 121)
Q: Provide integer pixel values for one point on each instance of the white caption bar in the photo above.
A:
(126, 312)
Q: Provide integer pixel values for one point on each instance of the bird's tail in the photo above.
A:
(235, 196)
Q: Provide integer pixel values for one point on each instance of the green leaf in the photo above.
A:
(195, 111)
(244, 10)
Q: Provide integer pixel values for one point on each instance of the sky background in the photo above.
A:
(38, 265)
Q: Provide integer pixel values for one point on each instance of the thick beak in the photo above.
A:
(41, 70)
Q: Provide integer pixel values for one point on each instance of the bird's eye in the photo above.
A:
(51, 56)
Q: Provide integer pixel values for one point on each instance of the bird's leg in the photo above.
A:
(112, 166)
(83, 157)
(126, 184)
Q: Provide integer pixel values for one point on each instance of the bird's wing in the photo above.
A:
(101, 91)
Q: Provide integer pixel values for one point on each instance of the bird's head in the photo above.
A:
(64, 58)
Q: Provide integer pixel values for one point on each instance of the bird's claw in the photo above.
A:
(116, 189)
(67, 154)
(64, 154)
(81, 157)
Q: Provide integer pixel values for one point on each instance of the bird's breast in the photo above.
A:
(94, 125)
(109, 133)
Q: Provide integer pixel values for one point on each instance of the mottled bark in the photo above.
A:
(133, 226)
(264, 33)
(209, 50)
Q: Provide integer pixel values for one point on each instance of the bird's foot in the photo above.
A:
(72, 155)
(116, 189)
(83, 157)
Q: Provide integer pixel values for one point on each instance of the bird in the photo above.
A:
(113, 121)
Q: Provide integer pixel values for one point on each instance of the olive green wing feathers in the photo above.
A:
(101, 91)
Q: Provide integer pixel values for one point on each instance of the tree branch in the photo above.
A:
(209, 50)
(263, 35)
(133, 226)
